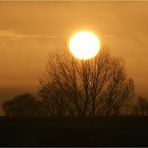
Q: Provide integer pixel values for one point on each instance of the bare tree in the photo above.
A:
(94, 87)
(25, 105)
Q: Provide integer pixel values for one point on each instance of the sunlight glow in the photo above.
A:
(84, 45)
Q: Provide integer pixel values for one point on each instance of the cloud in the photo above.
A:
(13, 34)
(9, 33)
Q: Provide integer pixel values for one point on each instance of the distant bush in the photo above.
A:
(25, 105)
(141, 107)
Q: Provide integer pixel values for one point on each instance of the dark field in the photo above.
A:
(104, 131)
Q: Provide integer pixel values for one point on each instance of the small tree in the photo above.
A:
(25, 105)
(94, 87)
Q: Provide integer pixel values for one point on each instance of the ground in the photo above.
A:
(104, 131)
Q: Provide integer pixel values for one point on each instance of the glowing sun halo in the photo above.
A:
(84, 45)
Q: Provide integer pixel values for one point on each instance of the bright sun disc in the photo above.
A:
(84, 45)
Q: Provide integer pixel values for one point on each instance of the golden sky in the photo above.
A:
(30, 30)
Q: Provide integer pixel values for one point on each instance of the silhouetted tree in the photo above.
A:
(141, 107)
(25, 105)
(94, 87)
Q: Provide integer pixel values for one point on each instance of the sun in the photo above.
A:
(84, 45)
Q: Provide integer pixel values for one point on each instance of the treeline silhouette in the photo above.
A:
(78, 88)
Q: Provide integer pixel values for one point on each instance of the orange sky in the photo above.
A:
(30, 30)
